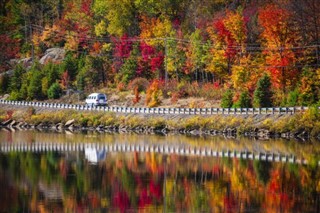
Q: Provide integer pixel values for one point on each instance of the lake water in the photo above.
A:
(100, 172)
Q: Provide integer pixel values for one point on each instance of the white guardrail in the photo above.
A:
(178, 111)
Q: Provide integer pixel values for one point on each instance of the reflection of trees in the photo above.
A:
(262, 170)
(161, 183)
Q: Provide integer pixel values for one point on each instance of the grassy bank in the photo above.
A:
(307, 123)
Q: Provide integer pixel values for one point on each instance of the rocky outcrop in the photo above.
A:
(25, 62)
(53, 55)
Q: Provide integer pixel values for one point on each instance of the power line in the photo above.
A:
(247, 47)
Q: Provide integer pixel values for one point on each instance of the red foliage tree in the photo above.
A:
(9, 50)
(225, 36)
(122, 49)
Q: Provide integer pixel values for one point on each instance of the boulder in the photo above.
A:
(5, 97)
(69, 123)
(53, 54)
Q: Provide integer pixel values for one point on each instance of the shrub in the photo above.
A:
(263, 94)
(121, 87)
(226, 101)
(55, 91)
(153, 94)
(14, 96)
(138, 85)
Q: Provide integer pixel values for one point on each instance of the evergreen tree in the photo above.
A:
(293, 98)
(128, 69)
(226, 101)
(4, 83)
(16, 79)
(244, 100)
(35, 86)
(52, 72)
(55, 91)
(71, 66)
(263, 94)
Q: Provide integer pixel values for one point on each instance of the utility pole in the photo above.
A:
(317, 54)
(32, 46)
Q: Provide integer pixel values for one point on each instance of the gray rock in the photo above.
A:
(69, 123)
(54, 55)
(5, 96)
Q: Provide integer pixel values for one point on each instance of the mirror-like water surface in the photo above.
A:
(55, 172)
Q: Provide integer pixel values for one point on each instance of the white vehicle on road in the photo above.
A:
(96, 99)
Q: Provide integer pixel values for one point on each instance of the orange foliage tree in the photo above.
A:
(279, 38)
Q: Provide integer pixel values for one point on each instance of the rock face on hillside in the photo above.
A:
(54, 55)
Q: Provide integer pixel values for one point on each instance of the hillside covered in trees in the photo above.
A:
(242, 52)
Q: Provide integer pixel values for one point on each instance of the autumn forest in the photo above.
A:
(242, 52)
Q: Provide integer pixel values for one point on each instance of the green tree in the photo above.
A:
(55, 91)
(244, 100)
(93, 73)
(309, 87)
(121, 16)
(293, 98)
(81, 83)
(16, 79)
(263, 94)
(52, 72)
(35, 86)
(226, 101)
(4, 83)
(196, 54)
(128, 70)
(44, 86)
(71, 66)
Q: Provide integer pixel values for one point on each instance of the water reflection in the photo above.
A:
(93, 155)
(95, 180)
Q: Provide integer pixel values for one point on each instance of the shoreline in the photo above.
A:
(300, 126)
